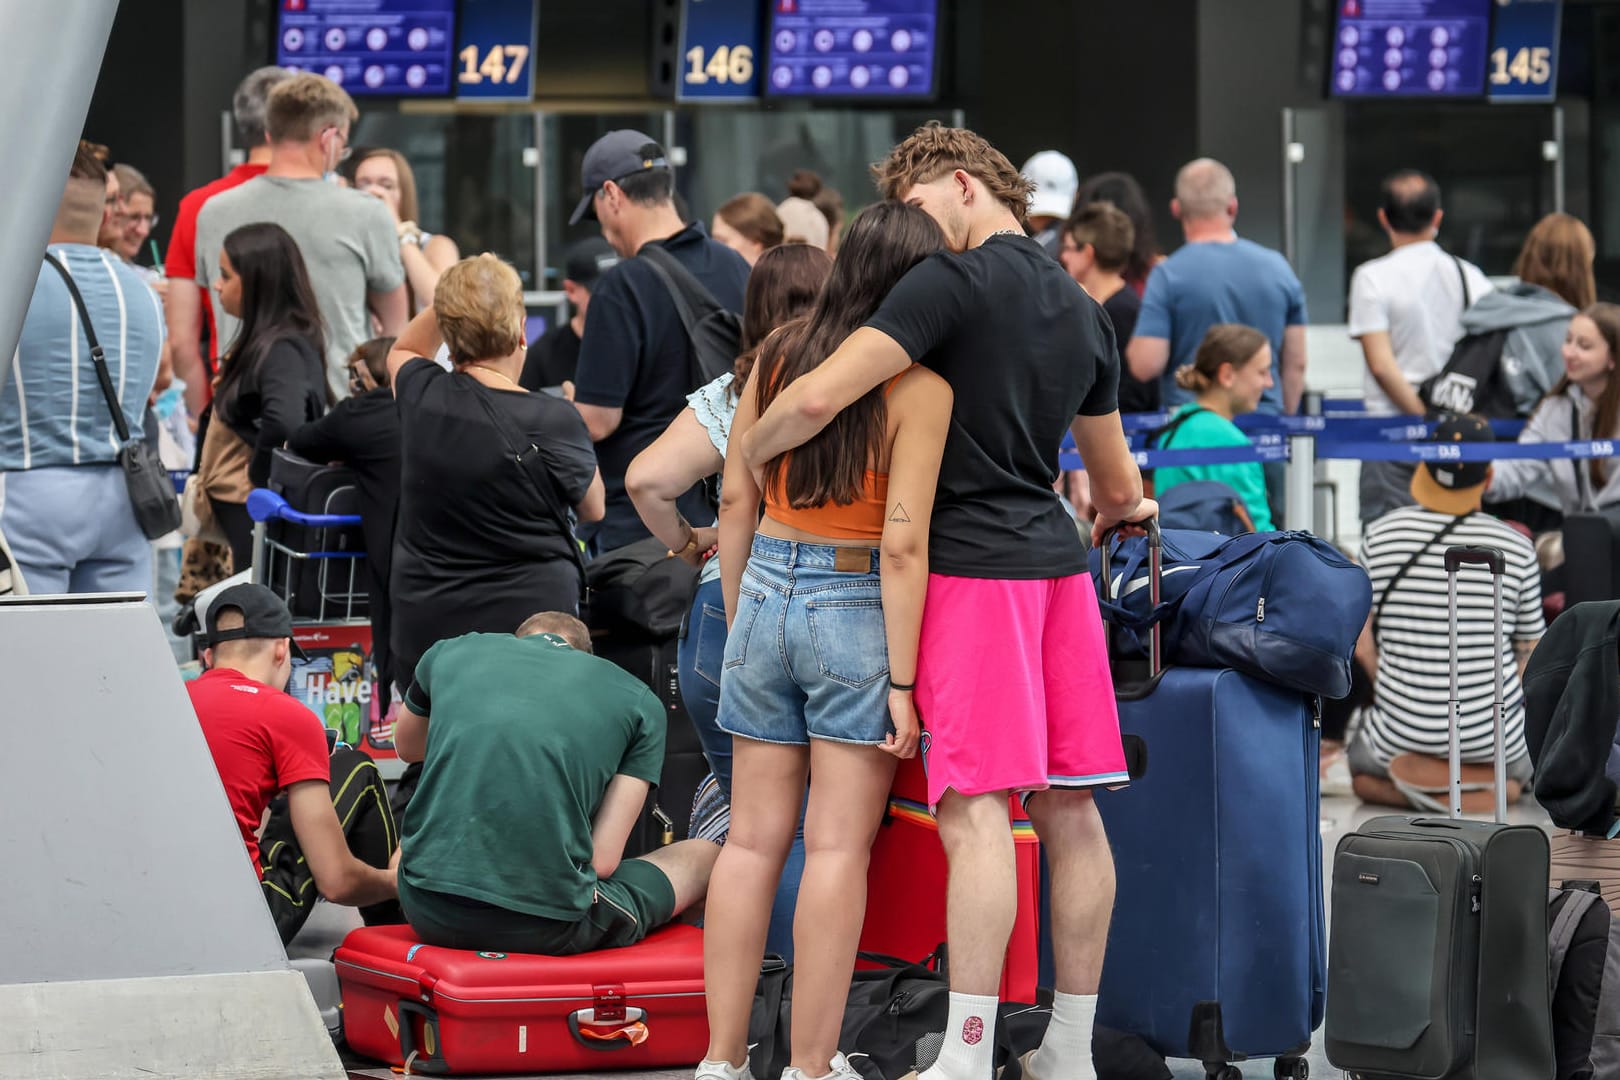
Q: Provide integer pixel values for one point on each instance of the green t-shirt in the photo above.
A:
(1204, 430)
(523, 736)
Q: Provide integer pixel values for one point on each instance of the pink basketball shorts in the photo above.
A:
(1014, 689)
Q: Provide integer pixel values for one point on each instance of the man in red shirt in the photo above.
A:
(336, 833)
(185, 306)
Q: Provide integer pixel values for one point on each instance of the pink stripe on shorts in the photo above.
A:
(1014, 688)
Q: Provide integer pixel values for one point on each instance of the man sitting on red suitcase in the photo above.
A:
(535, 768)
(334, 833)
(1398, 758)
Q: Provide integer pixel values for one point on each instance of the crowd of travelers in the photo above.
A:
(886, 559)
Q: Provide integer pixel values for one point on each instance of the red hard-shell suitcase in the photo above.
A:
(908, 861)
(446, 1011)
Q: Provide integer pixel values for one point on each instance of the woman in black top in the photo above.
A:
(489, 471)
(362, 432)
(272, 379)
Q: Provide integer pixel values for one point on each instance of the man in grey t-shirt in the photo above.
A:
(348, 239)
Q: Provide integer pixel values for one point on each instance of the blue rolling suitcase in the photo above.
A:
(1217, 949)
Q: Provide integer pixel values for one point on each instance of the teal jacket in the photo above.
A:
(1203, 430)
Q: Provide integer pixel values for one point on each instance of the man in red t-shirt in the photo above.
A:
(336, 834)
(184, 306)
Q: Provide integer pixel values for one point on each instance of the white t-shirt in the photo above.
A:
(1415, 294)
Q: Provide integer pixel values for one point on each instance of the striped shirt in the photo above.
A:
(1411, 701)
(51, 409)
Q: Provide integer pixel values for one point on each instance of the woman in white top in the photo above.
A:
(386, 174)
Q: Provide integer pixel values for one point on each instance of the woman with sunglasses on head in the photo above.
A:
(362, 432)
(272, 378)
(386, 174)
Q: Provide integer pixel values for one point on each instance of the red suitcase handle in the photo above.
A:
(620, 1033)
(426, 1059)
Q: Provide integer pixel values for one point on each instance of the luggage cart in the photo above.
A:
(315, 563)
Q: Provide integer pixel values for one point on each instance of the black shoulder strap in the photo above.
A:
(1462, 275)
(542, 485)
(693, 302)
(1160, 439)
(103, 376)
(1445, 530)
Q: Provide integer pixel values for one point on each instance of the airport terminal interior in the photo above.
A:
(1094, 527)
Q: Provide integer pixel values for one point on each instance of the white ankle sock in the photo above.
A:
(969, 1050)
(1066, 1050)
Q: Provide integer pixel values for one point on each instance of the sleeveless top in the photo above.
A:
(859, 520)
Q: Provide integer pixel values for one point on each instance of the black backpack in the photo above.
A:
(1471, 381)
(713, 333)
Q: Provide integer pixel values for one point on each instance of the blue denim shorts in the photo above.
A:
(807, 657)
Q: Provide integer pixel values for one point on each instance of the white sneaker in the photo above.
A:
(722, 1070)
(841, 1070)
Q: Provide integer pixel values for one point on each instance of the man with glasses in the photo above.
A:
(633, 375)
(347, 238)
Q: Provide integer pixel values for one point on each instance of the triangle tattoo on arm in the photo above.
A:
(900, 516)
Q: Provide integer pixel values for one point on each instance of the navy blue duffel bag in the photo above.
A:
(1286, 607)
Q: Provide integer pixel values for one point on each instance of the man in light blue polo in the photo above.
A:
(64, 506)
(1218, 277)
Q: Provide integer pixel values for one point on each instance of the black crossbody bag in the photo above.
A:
(151, 492)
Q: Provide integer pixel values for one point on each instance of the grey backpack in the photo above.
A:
(1583, 947)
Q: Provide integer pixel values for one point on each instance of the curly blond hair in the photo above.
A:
(934, 150)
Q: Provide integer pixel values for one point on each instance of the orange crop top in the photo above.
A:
(859, 520)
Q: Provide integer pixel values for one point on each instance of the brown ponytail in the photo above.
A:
(1226, 343)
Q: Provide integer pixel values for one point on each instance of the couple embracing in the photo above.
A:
(916, 583)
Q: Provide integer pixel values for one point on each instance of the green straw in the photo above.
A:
(157, 261)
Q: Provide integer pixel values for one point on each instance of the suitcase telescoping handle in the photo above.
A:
(1155, 546)
(1494, 561)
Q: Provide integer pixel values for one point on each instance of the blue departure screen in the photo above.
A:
(853, 48)
(1524, 51)
(382, 47)
(1410, 48)
(719, 50)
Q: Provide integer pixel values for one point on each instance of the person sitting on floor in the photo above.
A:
(535, 767)
(334, 833)
(1399, 757)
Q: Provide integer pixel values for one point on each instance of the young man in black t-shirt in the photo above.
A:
(1012, 682)
(634, 372)
(554, 359)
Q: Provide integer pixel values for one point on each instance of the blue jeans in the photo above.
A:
(701, 657)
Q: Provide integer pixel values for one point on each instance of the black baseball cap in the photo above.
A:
(264, 615)
(1454, 487)
(587, 260)
(614, 156)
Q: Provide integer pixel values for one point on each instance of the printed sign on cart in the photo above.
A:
(338, 684)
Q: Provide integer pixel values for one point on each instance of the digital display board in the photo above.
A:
(853, 48)
(495, 50)
(719, 50)
(380, 47)
(1410, 48)
(1524, 51)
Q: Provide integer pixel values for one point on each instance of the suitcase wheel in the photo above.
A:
(1221, 1071)
(1291, 1069)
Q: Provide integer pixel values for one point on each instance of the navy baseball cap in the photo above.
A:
(264, 615)
(614, 156)
(1454, 487)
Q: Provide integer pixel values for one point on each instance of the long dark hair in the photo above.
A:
(884, 241)
(277, 303)
(1606, 317)
(783, 286)
(1123, 191)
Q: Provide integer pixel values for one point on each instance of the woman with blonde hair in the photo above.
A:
(488, 472)
(386, 174)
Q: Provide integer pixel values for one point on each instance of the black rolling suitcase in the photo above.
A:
(319, 570)
(667, 815)
(1438, 959)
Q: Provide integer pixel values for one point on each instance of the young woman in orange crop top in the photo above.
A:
(822, 652)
